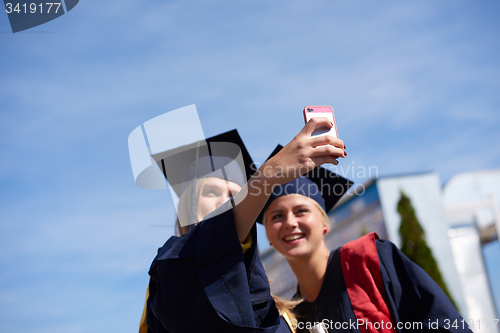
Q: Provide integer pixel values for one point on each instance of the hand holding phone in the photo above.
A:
(321, 111)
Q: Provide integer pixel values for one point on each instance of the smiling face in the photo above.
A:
(295, 226)
(215, 192)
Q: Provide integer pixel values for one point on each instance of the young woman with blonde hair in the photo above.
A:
(367, 285)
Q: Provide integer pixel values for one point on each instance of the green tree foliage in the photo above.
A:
(363, 231)
(413, 243)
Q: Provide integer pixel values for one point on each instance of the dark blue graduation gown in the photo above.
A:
(409, 292)
(202, 282)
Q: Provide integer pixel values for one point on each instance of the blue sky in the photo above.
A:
(414, 85)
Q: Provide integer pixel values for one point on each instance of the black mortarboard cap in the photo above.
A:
(224, 156)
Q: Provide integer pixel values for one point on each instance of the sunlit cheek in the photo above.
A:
(207, 206)
(273, 232)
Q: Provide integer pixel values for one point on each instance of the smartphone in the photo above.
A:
(312, 111)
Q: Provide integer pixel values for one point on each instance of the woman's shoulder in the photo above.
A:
(361, 247)
(177, 247)
(204, 240)
(363, 244)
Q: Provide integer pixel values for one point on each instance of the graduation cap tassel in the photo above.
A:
(163, 166)
(227, 182)
(193, 211)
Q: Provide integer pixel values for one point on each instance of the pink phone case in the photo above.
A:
(312, 111)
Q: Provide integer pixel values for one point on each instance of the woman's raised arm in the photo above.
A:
(298, 157)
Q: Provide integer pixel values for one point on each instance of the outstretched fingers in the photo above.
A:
(328, 150)
(311, 125)
(324, 159)
(322, 140)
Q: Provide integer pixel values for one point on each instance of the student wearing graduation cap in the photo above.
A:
(211, 279)
(367, 285)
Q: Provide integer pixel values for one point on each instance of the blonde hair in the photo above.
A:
(286, 306)
(185, 204)
(324, 216)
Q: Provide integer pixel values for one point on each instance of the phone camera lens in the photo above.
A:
(309, 110)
